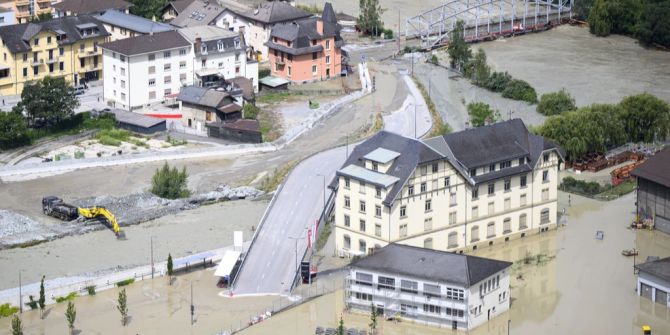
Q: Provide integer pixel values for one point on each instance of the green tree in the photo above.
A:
(42, 301)
(70, 316)
(170, 183)
(459, 51)
(373, 319)
(646, 118)
(169, 268)
(340, 327)
(477, 69)
(581, 9)
(17, 327)
(250, 111)
(556, 103)
(41, 17)
(122, 306)
(481, 114)
(600, 22)
(50, 99)
(13, 130)
(654, 24)
(369, 21)
(520, 90)
(150, 9)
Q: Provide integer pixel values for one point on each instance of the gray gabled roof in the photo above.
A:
(17, 36)
(301, 34)
(178, 5)
(274, 12)
(198, 13)
(656, 168)
(212, 36)
(204, 97)
(658, 268)
(147, 43)
(429, 264)
(82, 7)
(132, 22)
(412, 153)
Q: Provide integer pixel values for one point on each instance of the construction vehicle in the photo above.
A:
(646, 330)
(56, 207)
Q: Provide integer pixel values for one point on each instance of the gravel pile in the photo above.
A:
(20, 230)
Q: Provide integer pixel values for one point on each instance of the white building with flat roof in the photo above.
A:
(146, 69)
(427, 286)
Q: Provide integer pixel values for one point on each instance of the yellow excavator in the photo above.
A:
(56, 207)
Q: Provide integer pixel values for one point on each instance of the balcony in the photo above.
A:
(52, 60)
(22, 3)
(37, 62)
(41, 2)
(89, 53)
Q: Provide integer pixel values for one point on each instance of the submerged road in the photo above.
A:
(271, 262)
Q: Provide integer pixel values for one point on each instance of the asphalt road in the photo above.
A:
(271, 263)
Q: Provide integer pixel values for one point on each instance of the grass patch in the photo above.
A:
(313, 104)
(272, 181)
(175, 142)
(378, 123)
(78, 154)
(270, 125)
(617, 191)
(112, 137)
(439, 126)
(532, 259)
(7, 310)
(68, 297)
(275, 97)
(323, 236)
(125, 282)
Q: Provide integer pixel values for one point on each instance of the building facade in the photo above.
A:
(218, 54)
(255, 24)
(653, 190)
(306, 50)
(26, 9)
(454, 192)
(653, 281)
(64, 47)
(427, 286)
(145, 70)
(122, 25)
(7, 17)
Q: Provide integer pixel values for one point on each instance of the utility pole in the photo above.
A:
(20, 295)
(414, 116)
(192, 307)
(347, 145)
(152, 256)
(508, 324)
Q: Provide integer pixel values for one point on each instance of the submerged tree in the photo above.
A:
(70, 316)
(459, 51)
(42, 301)
(122, 306)
(17, 327)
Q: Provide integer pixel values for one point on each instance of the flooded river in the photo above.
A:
(584, 286)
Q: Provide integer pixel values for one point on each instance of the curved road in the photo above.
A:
(271, 263)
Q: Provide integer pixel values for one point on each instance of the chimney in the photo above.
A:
(319, 26)
(198, 44)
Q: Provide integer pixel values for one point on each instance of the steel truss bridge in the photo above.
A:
(486, 19)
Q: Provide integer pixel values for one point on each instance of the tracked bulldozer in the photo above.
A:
(56, 207)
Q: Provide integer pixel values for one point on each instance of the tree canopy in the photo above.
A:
(369, 21)
(170, 183)
(647, 20)
(556, 103)
(481, 114)
(13, 130)
(148, 8)
(645, 117)
(49, 100)
(459, 51)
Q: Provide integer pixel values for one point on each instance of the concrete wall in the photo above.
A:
(448, 224)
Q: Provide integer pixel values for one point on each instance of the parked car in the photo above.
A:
(79, 90)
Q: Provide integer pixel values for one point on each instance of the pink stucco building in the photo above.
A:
(307, 50)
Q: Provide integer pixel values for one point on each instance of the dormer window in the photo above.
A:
(492, 167)
(203, 48)
(219, 45)
(237, 42)
(473, 172)
(375, 166)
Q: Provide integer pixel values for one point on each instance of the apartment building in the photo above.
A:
(218, 54)
(173, 8)
(427, 286)
(455, 192)
(7, 17)
(26, 9)
(64, 47)
(146, 69)
(307, 50)
(122, 25)
(255, 24)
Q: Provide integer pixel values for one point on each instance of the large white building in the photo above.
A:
(427, 286)
(146, 69)
(218, 53)
(122, 25)
(454, 192)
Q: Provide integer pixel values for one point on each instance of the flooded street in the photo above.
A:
(582, 286)
(208, 227)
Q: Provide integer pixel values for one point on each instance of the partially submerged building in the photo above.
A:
(653, 190)
(653, 280)
(428, 286)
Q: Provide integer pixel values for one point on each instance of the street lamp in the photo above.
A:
(324, 193)
(297, 265)
(152, 256)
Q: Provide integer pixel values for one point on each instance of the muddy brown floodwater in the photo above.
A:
(583, 286)
(205, 228)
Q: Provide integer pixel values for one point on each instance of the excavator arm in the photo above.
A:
(92, 212)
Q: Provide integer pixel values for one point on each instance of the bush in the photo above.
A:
(13, 131)
(68, 297)
(579, 186)
(32, 303)
(264, 73)
(556, 103)
(481, 114)
(78, 154)
(313, 104)
(250, 111)
(520, 90)
(125, 282)
(170, 183)
(388, 33)
(90, 289)
(7, 310)
(497, 81)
